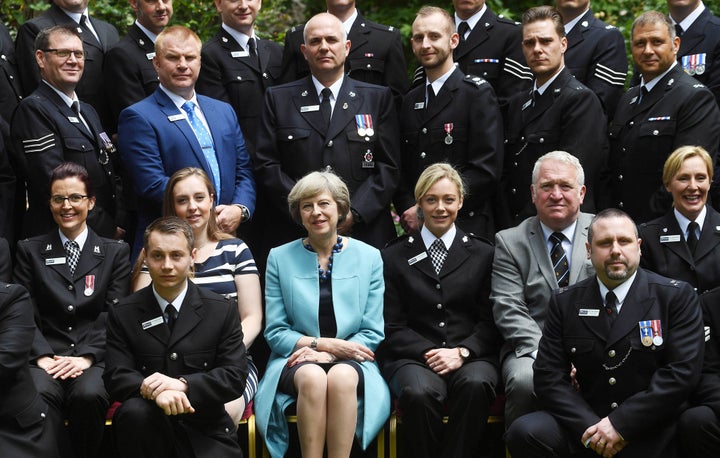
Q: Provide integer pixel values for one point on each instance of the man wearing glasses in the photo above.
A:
(52, 126)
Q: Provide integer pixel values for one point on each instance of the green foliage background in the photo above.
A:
(277, 16)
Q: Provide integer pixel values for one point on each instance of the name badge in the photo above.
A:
(150, 55)
(417, 258)
(589, 312)
(669, 238)
(176, 117)
(239, 53)
(152, 323)
(55, 261)
(73, 119)
(420, 106)
(308, 108)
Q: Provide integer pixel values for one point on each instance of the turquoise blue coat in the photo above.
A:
(292, 296)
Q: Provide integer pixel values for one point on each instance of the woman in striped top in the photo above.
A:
(223, 263)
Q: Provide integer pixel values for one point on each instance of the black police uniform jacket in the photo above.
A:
(47, 132)
(493, 51)
(205, 347)
(463, 127)
(678, 111)
(596, 57)
(24, 430)
(91, 88)
(129, 74)
(642, 389)
(425, 310)
(230, 74)
(10, 89)
(665, 251)
(71, 310)
(376, 56)
(568, 117)
(294, 141)
(702, 37)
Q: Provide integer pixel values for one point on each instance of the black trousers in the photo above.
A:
(425, 397)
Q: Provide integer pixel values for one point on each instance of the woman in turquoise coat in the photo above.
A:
(324, 307)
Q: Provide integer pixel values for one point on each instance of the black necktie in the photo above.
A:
(462, 29)
(325, 108)
(643, 93)
(430, 96)
(611, 305)
(171, 315)
(76, 108)
(535, 96)
(252, 50)
(692, 239)
(678, 30)
(559, 259)
(86, 30)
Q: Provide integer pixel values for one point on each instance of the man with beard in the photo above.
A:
(635, 340)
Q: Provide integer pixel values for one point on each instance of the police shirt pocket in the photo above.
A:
(35, 412)
(238, 77)
(487, 68)
(543, 137)
(366, 64)
(361, 151)
(578, 346)
(149, 363)
(202, 361)
(292, 135)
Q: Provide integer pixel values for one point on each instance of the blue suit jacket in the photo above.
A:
(156, 140)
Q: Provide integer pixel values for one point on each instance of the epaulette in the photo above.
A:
(505, 20)
(479, 238)
(376, 26)
(474, 80)
(397, 239)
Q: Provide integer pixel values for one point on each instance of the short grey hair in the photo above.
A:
(315, 183)
(559, 156)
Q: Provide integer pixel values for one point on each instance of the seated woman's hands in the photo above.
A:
(443, 360)
(64, 367)
(308, 355)
(329, 349)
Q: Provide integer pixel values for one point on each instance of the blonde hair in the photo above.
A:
(680, 155)
(435, 173)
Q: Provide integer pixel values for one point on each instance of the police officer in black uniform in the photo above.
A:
(596, 52)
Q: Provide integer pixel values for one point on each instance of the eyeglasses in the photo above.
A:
(74, 199)
(65, 53)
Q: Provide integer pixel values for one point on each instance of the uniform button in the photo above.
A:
(612, 381)
(632, 123)
(227, 430)
(290, 137)
(12, 77)
(368, 66)
(173, 356)
(422, 155)
(328, 168)
(72, 345)
(70, 308)
(514, 164)
(522, 139)
(367, 139)
(42, 414)
(614, 405)
(484, 73)
(205, 364)
(83, 147)
(69, 328)
(424, 130)
(239, 78)
(265, 75)
(70, 287)
(656, 132)
(573, 350)
(471, 214)
(621, 205)
(620, 177)
(441, 324)
(611, 353)
(330, 144)
(542, 140)
(513, 191)
(143, 368)
(439, 306)
(442, 344)
(437, 286)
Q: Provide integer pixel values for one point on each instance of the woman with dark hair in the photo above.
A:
(73, 276)
(323, 297)
(223, 264)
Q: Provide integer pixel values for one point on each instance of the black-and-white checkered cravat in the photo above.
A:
(72, 250)
(438, 253)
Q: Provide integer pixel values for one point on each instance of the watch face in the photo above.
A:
(465, 353)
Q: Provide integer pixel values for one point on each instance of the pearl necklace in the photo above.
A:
(337, 248)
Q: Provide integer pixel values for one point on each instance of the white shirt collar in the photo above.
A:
(347, 25)
(76, 16)
(620, 291)
(688, 21)
(334, 87)
(438, 83)
(447, 238)
(68, 100)
(177, 302)
(80, 239)
(547, 84)
(683, 222)
(240, 37)
(472, 20)
(568, 232)
(651, 84)
(179, 100)
(569, 26)
(146, 31)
